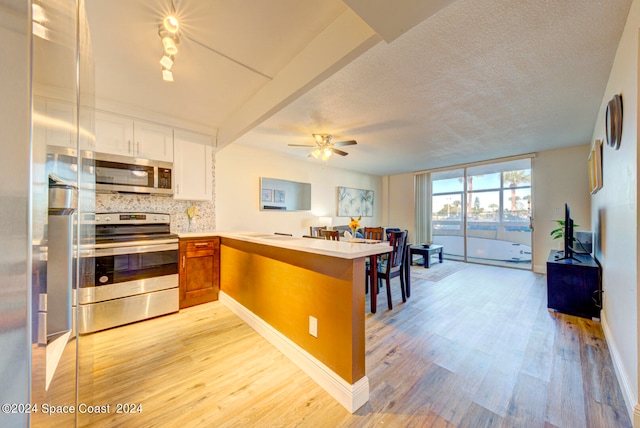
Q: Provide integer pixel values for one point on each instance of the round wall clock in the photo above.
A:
(614, 121)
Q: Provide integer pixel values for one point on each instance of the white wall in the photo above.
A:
(238, 172)
(614, 214)
(559, 177)
(399, 211)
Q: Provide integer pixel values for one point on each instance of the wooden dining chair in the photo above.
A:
(374, 233)
(316, 230)
(393, 265)
(331, 235)
(389, 230)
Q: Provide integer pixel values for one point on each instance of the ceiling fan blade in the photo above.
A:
(338, 152)
(345, 143)
(301, 145)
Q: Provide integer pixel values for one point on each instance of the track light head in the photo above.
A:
(167, 61)
(167, 75)
(170, 45)
(170, 23)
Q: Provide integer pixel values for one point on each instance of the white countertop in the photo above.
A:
(341, 249)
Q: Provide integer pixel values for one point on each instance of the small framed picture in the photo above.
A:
(278, 196)
(595, 167)
(267, 195)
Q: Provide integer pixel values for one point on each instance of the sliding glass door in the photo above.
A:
(482, 213)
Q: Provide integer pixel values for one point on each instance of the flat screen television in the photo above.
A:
(568, 232)
(568, 235)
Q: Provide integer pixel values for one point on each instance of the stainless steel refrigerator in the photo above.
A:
(47, 104)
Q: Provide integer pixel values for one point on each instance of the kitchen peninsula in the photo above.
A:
(307, 297)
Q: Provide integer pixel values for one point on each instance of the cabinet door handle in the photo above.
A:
(129, 150)
(202, 244)
(183, 261)
(137, 148)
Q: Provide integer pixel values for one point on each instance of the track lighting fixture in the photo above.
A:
(168, 32)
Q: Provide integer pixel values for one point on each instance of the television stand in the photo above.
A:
(573, 286)
(571, 257)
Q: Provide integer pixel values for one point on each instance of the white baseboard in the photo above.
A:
(540, 269)
(630, 398)
(352, 397)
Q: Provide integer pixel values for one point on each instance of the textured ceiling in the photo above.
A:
(479, 80)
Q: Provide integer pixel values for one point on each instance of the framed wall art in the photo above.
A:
(278, 196)
(595, 167)
(355, 202)
(266, 195)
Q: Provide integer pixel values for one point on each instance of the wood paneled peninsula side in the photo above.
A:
(280, 284)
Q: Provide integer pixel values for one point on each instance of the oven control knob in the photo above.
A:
(107, 219)
(103, 279)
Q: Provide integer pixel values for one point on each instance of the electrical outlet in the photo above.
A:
(557, 210)
(313, 326)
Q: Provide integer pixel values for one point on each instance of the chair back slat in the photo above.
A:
(316, 230)
(397, 240)
(332, 235)
(373, 233)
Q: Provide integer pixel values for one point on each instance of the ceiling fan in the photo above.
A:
(324, 147)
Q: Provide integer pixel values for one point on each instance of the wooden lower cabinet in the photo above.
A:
(199, 271)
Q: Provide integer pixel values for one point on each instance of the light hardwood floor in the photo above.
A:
(476, 349)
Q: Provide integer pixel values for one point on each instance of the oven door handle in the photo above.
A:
(136, 249)
(130, 243)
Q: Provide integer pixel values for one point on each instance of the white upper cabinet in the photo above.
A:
(153, 141)
(122, 135)
(114, 134)
(58, 120)
(192, 166)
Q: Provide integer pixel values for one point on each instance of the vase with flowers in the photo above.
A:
(192, 214)
(354, 224)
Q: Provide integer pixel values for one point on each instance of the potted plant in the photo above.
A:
(558, 233)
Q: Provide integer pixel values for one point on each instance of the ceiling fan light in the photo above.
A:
(167, 75)
(316, 153)
(322, 138)
(326, 154)
(171, 24)
(170, 46)
(167, 61)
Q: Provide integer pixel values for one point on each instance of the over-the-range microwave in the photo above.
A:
(113, 173)
(132, 175)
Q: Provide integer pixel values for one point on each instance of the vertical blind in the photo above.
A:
(423, 207)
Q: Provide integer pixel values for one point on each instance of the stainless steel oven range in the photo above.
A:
(132, 270)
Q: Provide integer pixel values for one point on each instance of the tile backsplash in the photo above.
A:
(112, 202)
